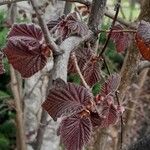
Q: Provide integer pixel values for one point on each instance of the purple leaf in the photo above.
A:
(96, 119)
(2, 70)
(121, 39)
(83, 55)
(110, 114)
(66, 100)
(71, 25)
(75, 132)
(53, 23)
(26, 49)
(27, 30)
(92, 71)
(111, 84)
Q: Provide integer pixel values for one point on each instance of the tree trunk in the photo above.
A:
(40, 136)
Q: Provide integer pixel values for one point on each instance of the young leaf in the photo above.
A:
(75, 132)
(53, 23)
(120, 39)
(83, 55)
(92, 71)
(1, 64)
(96, 120)
(111, 115)
(143, 39)
(111, 84)
(66, 100)
(26, 49)
(27, 30)
(71, 25)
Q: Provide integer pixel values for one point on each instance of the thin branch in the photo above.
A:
(118, 31)
(88, 3)
(118, 102)
(121, 122)
(19, 113)
(117, 7)
(5, 2)
(120, 20)
(79, 71)
(21, 139)
(42, 23)
(106, 65)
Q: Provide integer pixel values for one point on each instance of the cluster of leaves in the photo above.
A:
(81, 110)
(142, 38)
(69, 25)
(89, 64)
(121, 39)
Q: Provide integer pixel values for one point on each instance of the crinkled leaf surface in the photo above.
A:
(71, 25)
(53, 23)
(92, 71)
(83, 55)
(111, 84)
(110, 114)
(95, 119)
(75, 132)
(24, 49)
(66, 100)
(121, 39)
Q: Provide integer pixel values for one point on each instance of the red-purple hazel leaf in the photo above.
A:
(96, 120)
(92, 71)
(83, 55)
(121, 39)
(27, 30)
(2, 70)
(75, 132)
(111, 84)
(110, 114)
(26, 50)
(77, 28)
(71, 26)
(53, 23)
(66, 100)
(143, 39)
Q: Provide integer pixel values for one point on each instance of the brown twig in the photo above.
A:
(19, 113)
(21, 140)
(118, 31)
(118, 102)
(73, 56)
(117, 7)
(43, 25)
(107, 13)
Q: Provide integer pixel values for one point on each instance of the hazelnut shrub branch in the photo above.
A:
(72, 52)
